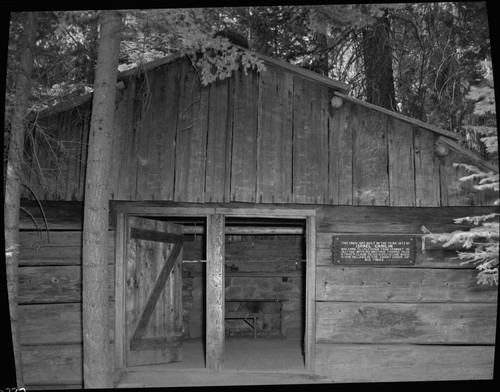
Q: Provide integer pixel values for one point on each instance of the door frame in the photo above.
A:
(121, 210)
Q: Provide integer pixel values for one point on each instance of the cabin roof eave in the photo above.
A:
(412, 121)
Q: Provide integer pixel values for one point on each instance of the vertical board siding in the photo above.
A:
(370, 174)
(156, 155)
(191, 137)
(217, 186)
(310, 142)
(401, 164)
(269, 137)
(427, 187)
(125, 143)
(340, 156)
(244, 150)
(274, 139)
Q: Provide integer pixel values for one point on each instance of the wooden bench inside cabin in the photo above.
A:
(249, 318)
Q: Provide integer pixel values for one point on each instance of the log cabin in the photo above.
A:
(286, 217)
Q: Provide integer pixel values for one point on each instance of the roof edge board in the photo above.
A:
(421, 124)
(469, 154)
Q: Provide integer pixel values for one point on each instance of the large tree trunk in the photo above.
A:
(13, 182)
(97, 366)
(320, 61)
(377, 56)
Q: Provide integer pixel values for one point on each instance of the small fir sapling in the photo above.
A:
(482, 240)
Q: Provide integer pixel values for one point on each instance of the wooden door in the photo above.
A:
(153, 292)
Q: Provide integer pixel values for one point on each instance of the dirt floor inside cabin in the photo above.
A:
(248, 361)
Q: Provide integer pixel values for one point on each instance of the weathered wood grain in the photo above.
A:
(346, 363)
(400, 285)
(156, 151)
(56, 248)
(152, 294)
(274, 137)
(191, 143)
(401, 164)
(310, 142)
(39, 239)
(215, 292)
(422, 323)
(340, 156)
(43, 324)
(244, 149)
(219, 139)
(125, 148)
(403, 220)
(54, 284)
(369, 167)
(427, 192)
(52, 364)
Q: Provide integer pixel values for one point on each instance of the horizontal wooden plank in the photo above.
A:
(54, 215)
(36, 239)
(54, 284)
(52, 365)
(402, 220)
(345, 363)
(56, 255)
(43, 324)
(400, 285)
(423, 323)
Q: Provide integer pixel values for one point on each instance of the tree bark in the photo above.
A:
(377, 56)
(320, 61)
(97, 365)
(13, 182)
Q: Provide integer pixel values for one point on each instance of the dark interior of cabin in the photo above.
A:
(265, 265)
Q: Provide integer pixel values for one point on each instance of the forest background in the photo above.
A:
(429, 61)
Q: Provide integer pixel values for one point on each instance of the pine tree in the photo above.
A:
(483, 239)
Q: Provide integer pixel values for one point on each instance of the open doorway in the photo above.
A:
(265, 282)
(263, 262)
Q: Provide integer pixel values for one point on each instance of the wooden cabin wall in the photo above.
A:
(423, 322)
(271, 137)
(50, 308)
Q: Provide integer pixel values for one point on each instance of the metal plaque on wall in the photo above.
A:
(359, 249)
